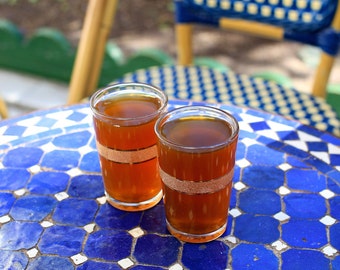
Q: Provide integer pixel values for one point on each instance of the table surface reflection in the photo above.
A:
(284, 212)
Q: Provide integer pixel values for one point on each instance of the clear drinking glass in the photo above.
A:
(124, 117)
(196, 152)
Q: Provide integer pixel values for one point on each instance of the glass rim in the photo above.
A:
(97, 96)
(224, 116)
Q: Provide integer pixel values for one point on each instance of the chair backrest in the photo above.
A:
(313, 22)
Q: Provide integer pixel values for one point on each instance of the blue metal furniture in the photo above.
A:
(186, 81)
(314, 22)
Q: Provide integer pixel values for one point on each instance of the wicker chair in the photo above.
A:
(186, 81)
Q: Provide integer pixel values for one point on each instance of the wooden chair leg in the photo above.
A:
(3, 109)
(91, 49)
(322, 75)
(184, 44)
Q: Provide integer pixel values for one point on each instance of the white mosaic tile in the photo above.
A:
(232, 239)
(278, 126)
(307, 137)
(281, 216)
(249, 142)
(285, 167)
(85, 149)
(46, 224)
(90, 227)
(235, 212)
(242, 163)
(329, 251)
(5, 219)
(35, 169)
(332, 149)
(269, 134)
(279, 245)
(48, 147)
(101, 200)
(298, 144)
(284, 191)
(136, 232)
(79, 259)
(74, 172)
(327, 194)
(324, 156)
(176, 266)
(33, 130)
(328, 220)
(20, 192)
(239, 186)
(125, 263)
(61, 196)
(32, 253)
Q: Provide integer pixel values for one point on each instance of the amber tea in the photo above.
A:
(197, 148)
(124, 118)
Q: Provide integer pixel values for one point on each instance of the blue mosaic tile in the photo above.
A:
(240, 151)
(295, 152)
(12, 260)
(6, 202)
(77, 116)
(302, 205)
(15, 130)
(297, 163)
(93, 143)
(255, 257)
(145, 267)
(205, 256)
(336, 263)
(22, 157)
(317, 146)
(259, 154)
(335, 235)
(50, 263)
(61, 160)
(288, 135)
(13, 179)
(78, 212)
(317, 163)
(32, 208)
(46, 122)
(90, 162)
(334, 205)
(109, 217)
(73, 140)
(263, 177)
(92, 265)
(48, 182)
(335, 159)
(259, 125)
(304, 233)
(56, 240)
(298, 259)
(110, 245)
(256, 229)
(86, 186)
(154, 220)
(334, 185)
(335, 175)
(254, 201)
(156, 250)
(17, 235)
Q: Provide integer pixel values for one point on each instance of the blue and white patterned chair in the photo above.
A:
(186, 81)
(313, 22)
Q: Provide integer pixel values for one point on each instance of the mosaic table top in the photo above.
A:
(284, 212)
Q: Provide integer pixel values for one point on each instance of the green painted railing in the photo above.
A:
(49, 54)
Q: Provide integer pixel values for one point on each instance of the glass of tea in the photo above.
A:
(124, 116)
(196, 152)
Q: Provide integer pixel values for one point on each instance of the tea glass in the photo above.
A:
(124, 116)
(196, 152)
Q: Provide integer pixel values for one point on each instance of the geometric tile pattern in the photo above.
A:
(284, 210)
(200, 83)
